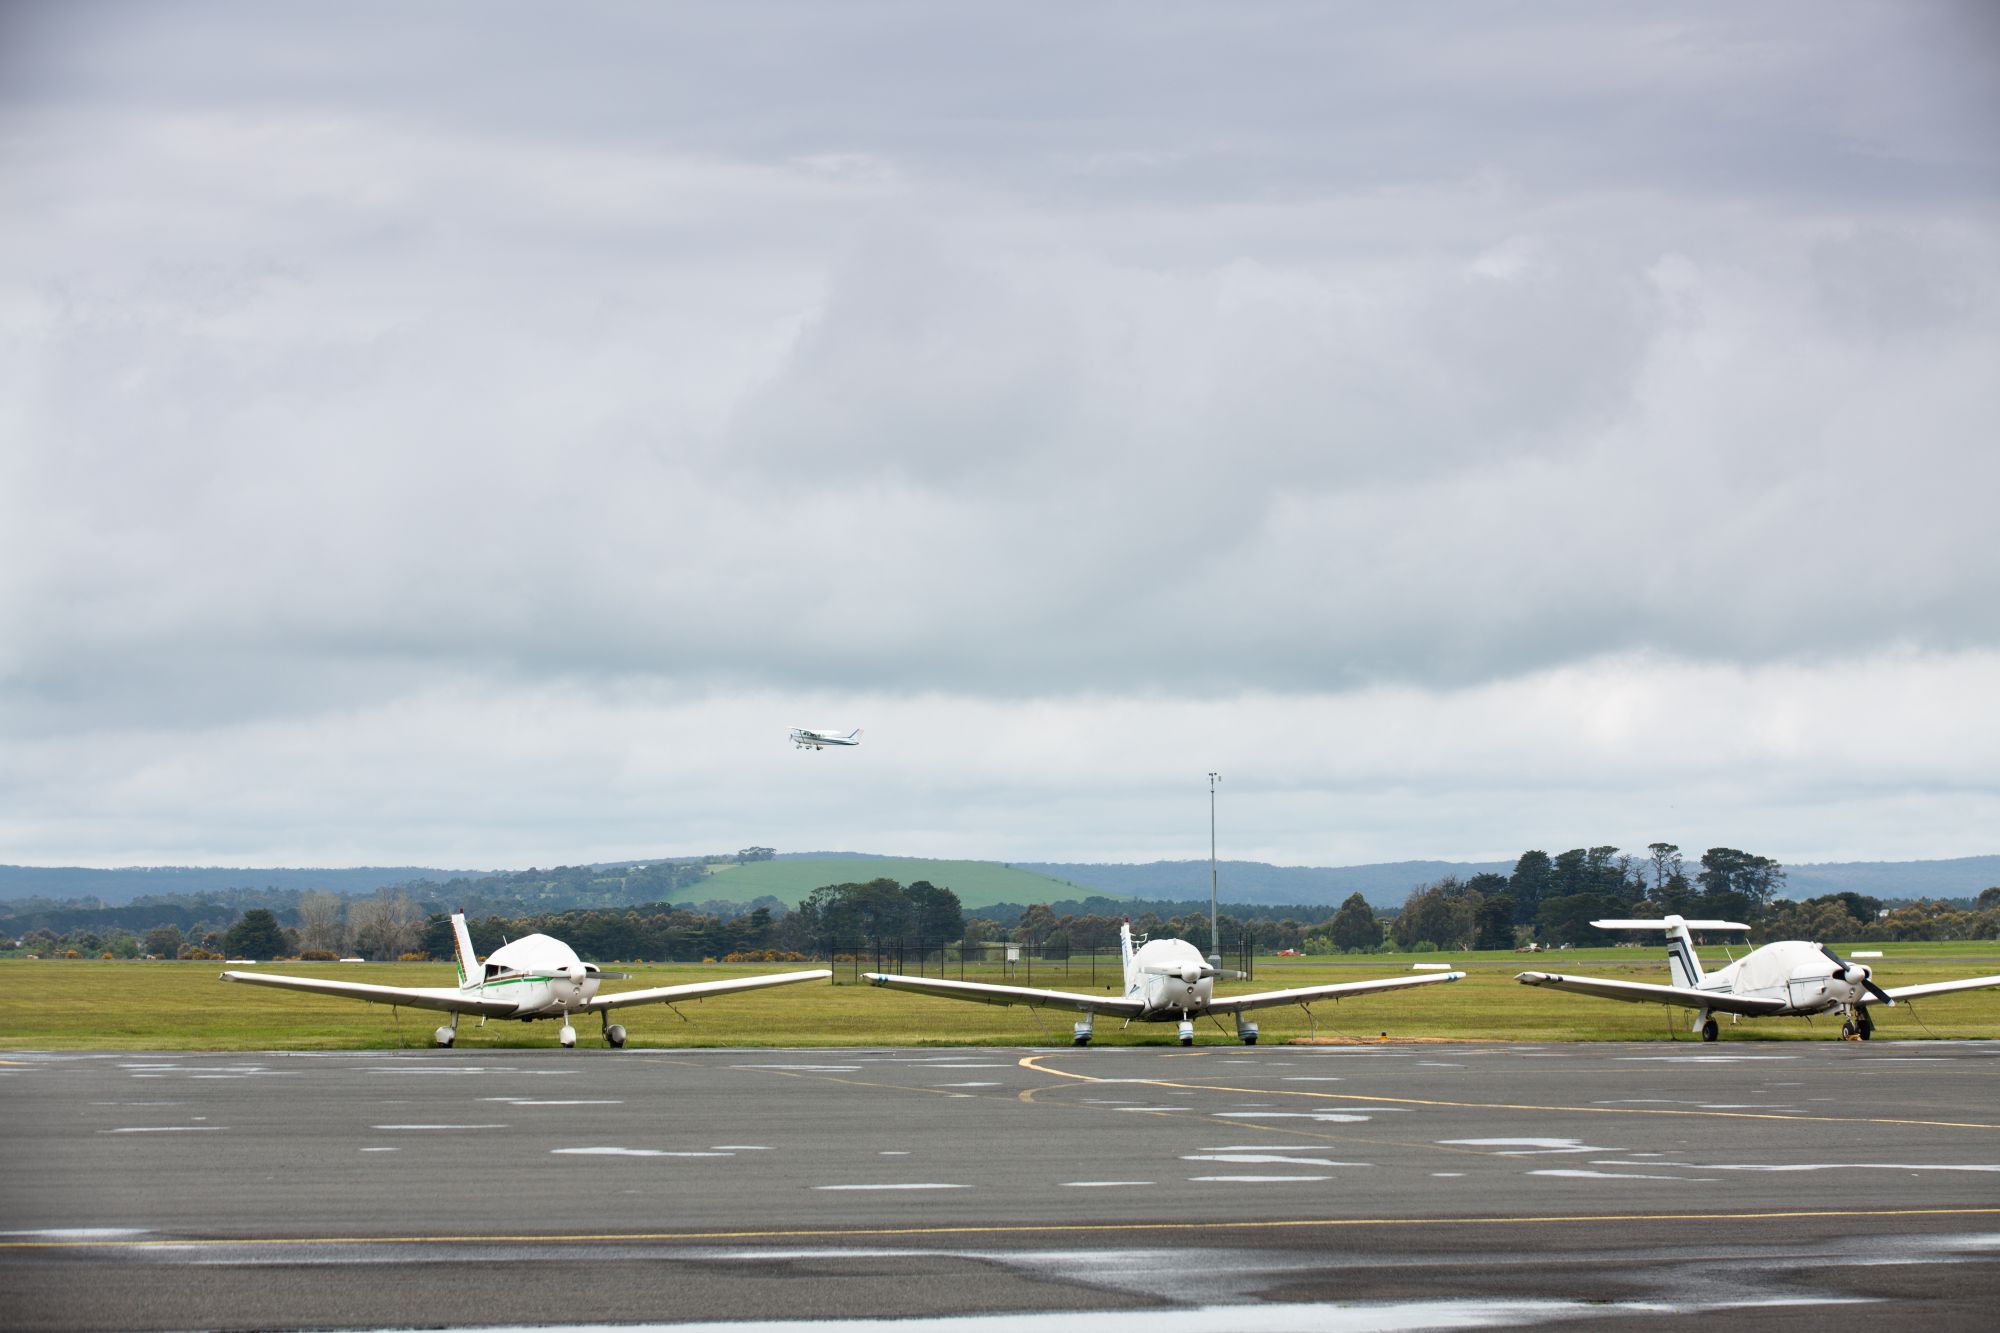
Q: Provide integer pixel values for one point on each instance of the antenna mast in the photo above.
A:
(1214, 937)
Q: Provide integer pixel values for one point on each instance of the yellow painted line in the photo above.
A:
(1177, 1226)
(1029, 1062)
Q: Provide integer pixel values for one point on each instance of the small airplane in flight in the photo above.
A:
(1166, 981)
(805, 738)
(1784, 978)
(534, 977)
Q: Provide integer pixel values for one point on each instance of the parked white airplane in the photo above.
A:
(1785, 977)
(1166, 981)
(534, 977)
(805, 738)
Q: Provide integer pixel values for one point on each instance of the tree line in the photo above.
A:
(1549, 900)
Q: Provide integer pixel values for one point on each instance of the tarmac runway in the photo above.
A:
(1267, 1188)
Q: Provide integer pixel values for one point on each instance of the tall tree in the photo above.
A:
(387, 925)
(1665, 860)
(1533, 874)
(323, 921)
(256, 935)
(1354, 928)
(1726, 871)
(935, 914)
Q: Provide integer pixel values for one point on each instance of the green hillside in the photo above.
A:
(977, 883)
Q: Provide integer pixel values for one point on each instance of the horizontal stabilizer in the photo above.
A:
(1666, 923)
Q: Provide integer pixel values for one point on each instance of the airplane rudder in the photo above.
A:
(467, 960)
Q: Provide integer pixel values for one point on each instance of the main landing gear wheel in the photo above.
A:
(615, 1034)
(1708, 1030)
(444, 1037)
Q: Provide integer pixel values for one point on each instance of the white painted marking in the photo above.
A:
(1314, 1078)
(1253, 1180)
(381, 1150)
(1447, 1175)
(1980, 1168)
(1526, 1147)
(1579, 1174)
(740, 1147)
(1264, 1159)
(893, 1152)
(630, 1152)
(166, 1129)
(1866, 953)
(969, 1064)
(524, 1101)
(968, 1085)
(923, 1186)
(1101, 1184)
(79, 1233)
(1325, 1117)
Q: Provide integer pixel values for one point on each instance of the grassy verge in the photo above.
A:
(84, 1005)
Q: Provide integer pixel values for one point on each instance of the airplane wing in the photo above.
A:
(1722, 1002)
(1940, 987)
(449, 999)
(986, 993)
(1231, 1004)
(698, 990)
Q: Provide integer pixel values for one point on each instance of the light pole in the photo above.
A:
(1214, 938)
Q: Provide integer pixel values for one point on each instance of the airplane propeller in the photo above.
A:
(1846, 971)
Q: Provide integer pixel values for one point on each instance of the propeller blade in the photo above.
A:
(1878, 992)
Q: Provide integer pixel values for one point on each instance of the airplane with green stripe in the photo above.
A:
(532, 978)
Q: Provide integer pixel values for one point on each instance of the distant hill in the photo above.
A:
(1963, 877)
(791, 876)
(116, 887)
(1384, 885)
(977, 883)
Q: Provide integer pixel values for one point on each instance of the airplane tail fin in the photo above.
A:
(1125, 946)
(1683, 964)
(468, 961)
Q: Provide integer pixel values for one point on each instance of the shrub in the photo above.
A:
(318, 956)
(418, 957)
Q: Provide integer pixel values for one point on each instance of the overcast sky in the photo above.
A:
(471, 435)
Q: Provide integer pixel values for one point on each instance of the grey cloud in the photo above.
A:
(1182, 351)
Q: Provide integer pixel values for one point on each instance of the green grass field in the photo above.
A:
(84, 1005)
(977, 883)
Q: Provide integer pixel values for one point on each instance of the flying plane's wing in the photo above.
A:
(1230, 1004)
(1722, 1002)
(1940, 987)
(986, 993)
(450, 999)
(698, 990)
